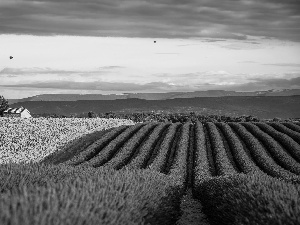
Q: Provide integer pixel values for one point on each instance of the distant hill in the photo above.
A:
(155, 96)
(260, 106)
(68, 97)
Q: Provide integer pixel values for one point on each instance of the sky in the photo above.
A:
(118, 46)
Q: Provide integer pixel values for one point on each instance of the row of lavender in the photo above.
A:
(216, 149)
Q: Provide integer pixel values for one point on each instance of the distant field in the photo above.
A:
(162, 173)
(259, 106)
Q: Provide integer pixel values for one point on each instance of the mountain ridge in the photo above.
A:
(155, 96)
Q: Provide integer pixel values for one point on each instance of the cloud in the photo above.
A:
(167, 53)
(13, 76)
(274, 64)
(201, 78)
(14, 72)
(108, 79)
(213, 40)
(174, 76)
(247, 62)
(215, 83)
(283, 64)
(31, 71)
(226, 19)
(112, 67)
(266, 84)
(100, 86)
(279, 83)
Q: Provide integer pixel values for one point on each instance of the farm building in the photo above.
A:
(17, 112)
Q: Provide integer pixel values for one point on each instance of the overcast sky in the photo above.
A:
(107, 46)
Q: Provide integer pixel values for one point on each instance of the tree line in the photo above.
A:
(3, 105)
(166, 117)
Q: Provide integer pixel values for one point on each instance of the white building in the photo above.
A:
(17, 112)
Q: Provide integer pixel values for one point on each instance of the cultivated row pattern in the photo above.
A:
(194, 152)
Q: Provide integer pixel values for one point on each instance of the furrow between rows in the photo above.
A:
(259, 154)
(178, 168)
(285, 130)
(123, 155)
(191, 157)
(224, 165)
(159, 160)
(209, 152)
(96, 147)
(280, 156)
(292, 126)
(112, 148)
(244, 161)
(147, 147)
(287, 142)
(172, 152)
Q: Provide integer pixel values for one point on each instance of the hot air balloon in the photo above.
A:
(10, 57)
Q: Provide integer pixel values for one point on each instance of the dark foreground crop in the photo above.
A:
(162, 173)
(43, 194)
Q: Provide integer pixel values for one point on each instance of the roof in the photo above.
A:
(14, 110)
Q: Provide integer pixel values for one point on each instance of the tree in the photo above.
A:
(91, 114)
(3, 105)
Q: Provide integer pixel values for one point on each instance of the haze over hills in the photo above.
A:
(154, 96)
